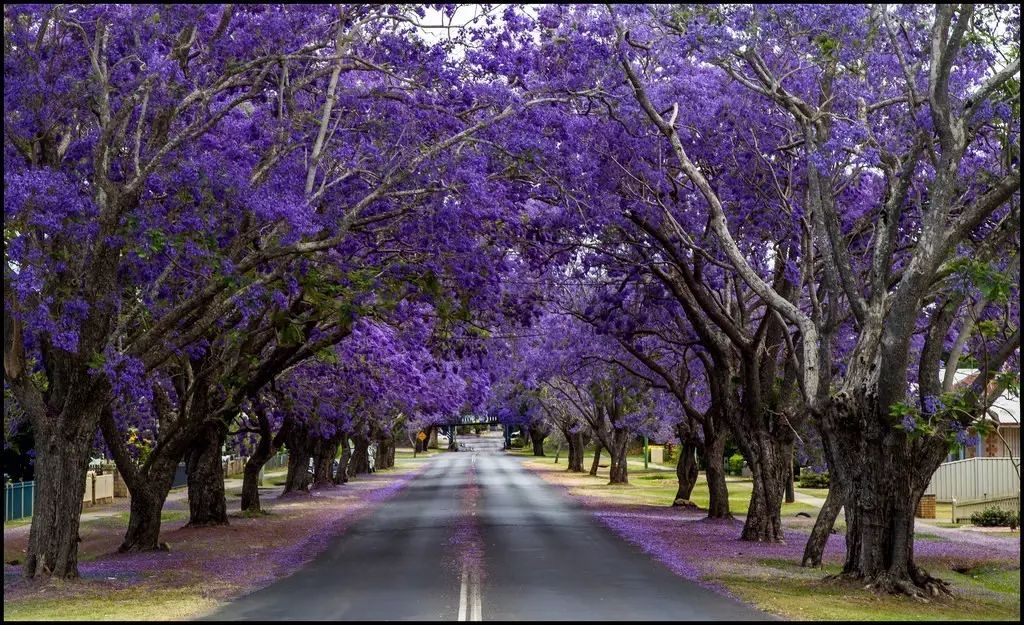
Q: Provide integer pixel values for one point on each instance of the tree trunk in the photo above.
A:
(883, 474)
(575, 452)
(298, 478)
(769, 462)
(265, 450)
(207, 503)
(360, 461)
(341, 475)
(385, 454)
(686, 472)
(619, 472)
(251, 480)
(816, 542)
(537, 435)
(148, 485)
(325, 451)
(60, 470)
(714, 455)
(597, 459)
(790, 491)
(144, 520)
(148, 495)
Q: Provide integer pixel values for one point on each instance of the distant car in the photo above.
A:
(225, 458)
(334, 466)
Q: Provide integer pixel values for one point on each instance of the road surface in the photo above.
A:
(477, 537)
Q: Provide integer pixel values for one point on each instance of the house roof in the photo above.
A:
(1005, 409)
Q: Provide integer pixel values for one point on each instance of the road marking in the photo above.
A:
(470, 599)
(475, 601)
(462, 596)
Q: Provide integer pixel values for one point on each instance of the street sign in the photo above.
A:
(421, 436)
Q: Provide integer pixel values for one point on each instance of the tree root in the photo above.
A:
(918, 584)
(685, 503)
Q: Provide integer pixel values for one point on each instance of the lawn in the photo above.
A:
(988, 593)
(205, 566)
(656, 487)
(984, 571)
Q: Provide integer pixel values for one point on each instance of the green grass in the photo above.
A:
(141, 603)
(786, 589)
(928, 536)
(121, 518)
(656, 487)
(813, 492)
(18, 522)
(991, 578)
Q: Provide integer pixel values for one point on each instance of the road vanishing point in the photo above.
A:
(475, 536)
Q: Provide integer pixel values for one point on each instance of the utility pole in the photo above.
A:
(645, 451)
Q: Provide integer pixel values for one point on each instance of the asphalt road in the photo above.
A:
(477, 537)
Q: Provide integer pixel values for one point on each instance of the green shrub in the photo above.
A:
(994, 517)
(736, 464)
(810, 479)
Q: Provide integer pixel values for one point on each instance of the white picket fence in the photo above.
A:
(974, 479)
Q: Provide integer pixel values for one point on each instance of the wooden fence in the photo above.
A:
(975, 479)
(962, 510)
(98, 488)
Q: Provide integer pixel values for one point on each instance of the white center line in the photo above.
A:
(475, 608)
(462, 595)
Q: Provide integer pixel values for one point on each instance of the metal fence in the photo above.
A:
(279, 460)
(19, 499)
(975, 478)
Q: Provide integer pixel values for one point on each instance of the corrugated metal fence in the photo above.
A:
(974, 478)
(19, 498)
(279, 460)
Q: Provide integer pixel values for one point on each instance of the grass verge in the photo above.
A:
(205, 567)
(984, 572)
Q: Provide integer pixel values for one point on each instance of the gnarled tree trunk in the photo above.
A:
(575, 441)
(207, 503)
(537, 434)
(298, 478)
(323, 457)
(385, 458)
(883, 473)
(265, 450)
(60, 473)
(148, 485)
(619, 471)
(360, 461)
(686, 471)
(148, 494)
(769, 465)
(714, 454)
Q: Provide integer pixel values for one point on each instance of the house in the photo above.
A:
(1004, 441)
